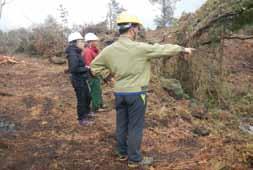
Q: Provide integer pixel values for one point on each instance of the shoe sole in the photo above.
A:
(136, 165)
(122, 159)
(101, 111)
(133, 165)
(90, 124)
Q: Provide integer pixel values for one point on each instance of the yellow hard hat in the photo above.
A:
(124, 17)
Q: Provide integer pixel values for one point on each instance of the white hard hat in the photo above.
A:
(75, 36)
(90, 37)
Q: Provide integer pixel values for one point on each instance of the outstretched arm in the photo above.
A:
(166, 50)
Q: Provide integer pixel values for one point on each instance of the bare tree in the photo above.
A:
(63, 15)
(63, 30)
(114, 8)
(167, 8)
(2, 3)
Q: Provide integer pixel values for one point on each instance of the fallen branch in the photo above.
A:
(5, 94)
(239, 37)
(7, 59)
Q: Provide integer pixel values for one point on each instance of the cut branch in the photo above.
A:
(5, 94)
(239, 37)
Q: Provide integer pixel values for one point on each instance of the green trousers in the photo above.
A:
(96, 93)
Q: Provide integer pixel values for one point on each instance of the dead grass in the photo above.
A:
(42, 106)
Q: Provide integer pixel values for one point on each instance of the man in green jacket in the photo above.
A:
(127, 63)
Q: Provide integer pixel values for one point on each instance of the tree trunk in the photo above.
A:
(163, 13)
(2, 3)
(110, 24)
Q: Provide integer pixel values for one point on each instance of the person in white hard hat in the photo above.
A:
(90, 52)
(79, 75)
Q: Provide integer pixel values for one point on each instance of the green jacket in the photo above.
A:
(129, 62)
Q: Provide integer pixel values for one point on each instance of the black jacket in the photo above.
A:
(75, 62)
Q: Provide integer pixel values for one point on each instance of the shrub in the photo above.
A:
(46, 39)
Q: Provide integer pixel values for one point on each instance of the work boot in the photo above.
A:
(146, 161)
(91, 114)
(121, 157)
(102, 110)
(85, 122)
(104, 106)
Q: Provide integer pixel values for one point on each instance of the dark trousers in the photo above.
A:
(82, 91)
(130, 123)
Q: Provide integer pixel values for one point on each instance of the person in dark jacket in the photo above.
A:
(79, 75)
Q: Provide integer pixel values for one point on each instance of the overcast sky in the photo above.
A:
(24, 13)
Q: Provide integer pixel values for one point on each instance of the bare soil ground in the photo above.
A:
(38, 98)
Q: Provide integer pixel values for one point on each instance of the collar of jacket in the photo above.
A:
(72, 48)
(124, 37)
